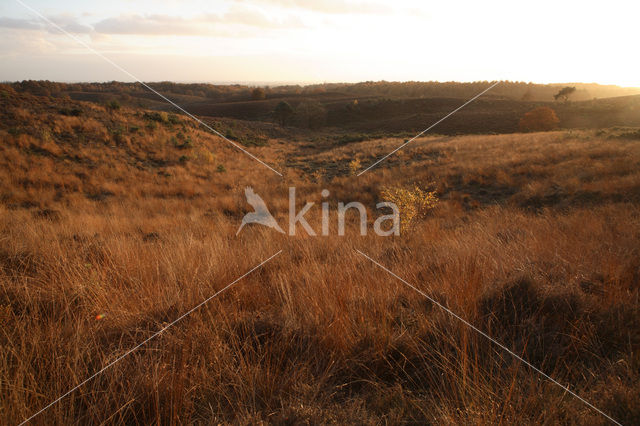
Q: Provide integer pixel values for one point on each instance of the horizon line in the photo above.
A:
(303, 83)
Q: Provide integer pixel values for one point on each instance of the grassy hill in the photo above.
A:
(382, 107)
(115, 222)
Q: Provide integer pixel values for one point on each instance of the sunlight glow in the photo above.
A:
(300, 41)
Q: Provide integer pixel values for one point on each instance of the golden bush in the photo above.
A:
(413, 203)
(354, 166)
(539, 120)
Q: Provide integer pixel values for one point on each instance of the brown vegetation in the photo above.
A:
(389, 89)
(370, 108)
(539, 120)
(125, 216)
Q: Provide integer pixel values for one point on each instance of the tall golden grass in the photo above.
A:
(535, 241)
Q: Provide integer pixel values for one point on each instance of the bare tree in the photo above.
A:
(564, 93)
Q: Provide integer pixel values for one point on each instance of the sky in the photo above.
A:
(310, 41)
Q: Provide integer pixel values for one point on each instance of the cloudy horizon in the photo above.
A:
(302, 41)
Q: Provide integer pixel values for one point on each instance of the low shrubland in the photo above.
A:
(105, 240)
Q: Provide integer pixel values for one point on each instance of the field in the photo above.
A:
(115, 222)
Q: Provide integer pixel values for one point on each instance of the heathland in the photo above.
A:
(117, 217)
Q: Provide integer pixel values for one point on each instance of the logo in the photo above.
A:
(262, 216)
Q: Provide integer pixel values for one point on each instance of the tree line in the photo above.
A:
(411, 89)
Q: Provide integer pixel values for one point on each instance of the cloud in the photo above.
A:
(237, 21)
(202, 25)
(255, 18)
(19, 24)
(68, 23)
(333, 6)
(148, 25)
(19, 42)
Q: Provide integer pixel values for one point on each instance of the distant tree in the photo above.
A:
(283, 112)
(310, 114)
(258, 94)
(528, 96)
(539, 120)
(564, 93)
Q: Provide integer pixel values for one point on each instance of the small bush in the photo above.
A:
(71, 112)
(258, 94)
(355, 166)
(229, 134)
(186, 144)
(539, 120)
(113, 105)
(205, 156)
(155, 116)
(173, 119)
(118, 135)
(413, 203)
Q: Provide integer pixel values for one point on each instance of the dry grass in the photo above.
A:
(535, 240)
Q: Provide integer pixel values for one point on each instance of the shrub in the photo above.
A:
(355, 166)
(173, 119)
(258, 94)
(246, 138)
(229, 134)
(187, 144)
(71, 112)
(113, 105)
(221, 168)
(118, 134)
(539, 120)
(253, 140)
(283, 113)
(413, 203)
(155, 116)
(310, 114)
(205, 156)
